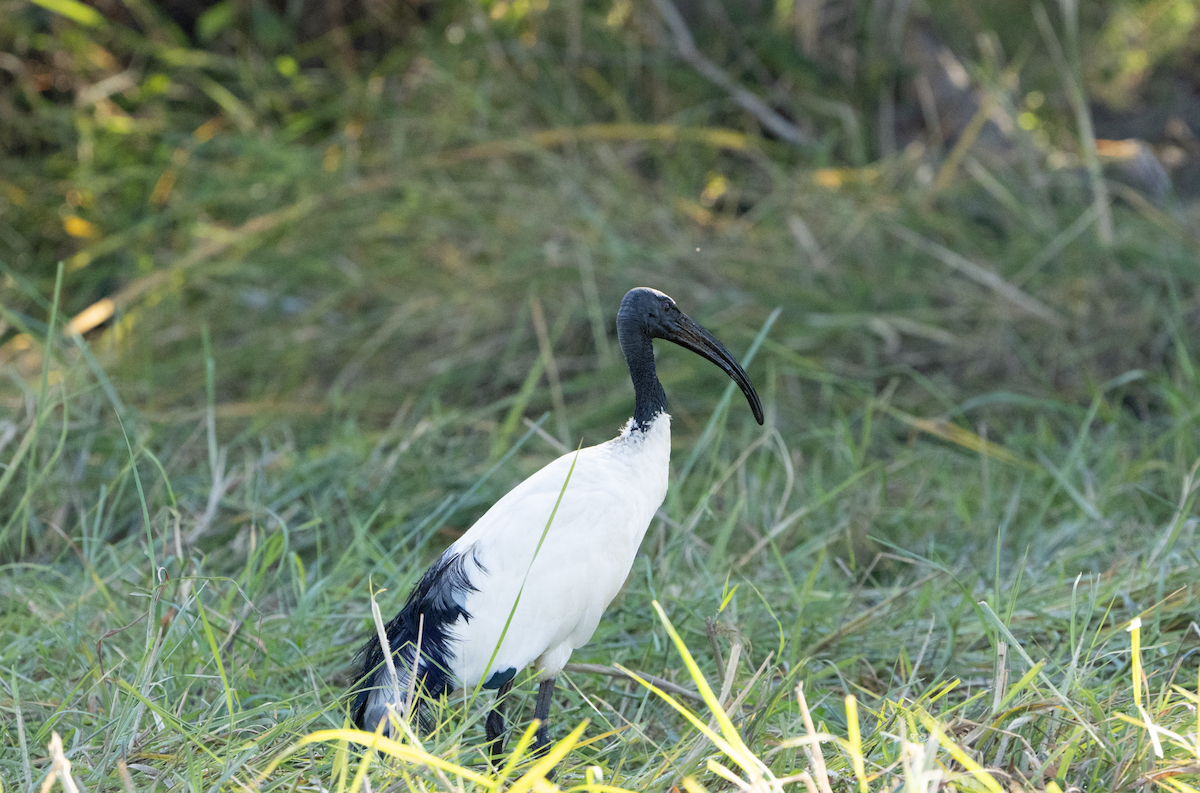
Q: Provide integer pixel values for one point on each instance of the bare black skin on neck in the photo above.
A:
(638, 309)
(649, 398)
(647, 314)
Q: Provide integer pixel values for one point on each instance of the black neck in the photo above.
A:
(649, 398)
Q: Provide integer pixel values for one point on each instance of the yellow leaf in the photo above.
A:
(205, 131)
(163, 187)
(829, 178)
(78, 227)
(92, 316)
(833, 178)
(716, 186)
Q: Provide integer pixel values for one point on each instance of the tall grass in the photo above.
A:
(304, 325)
(1019, 612)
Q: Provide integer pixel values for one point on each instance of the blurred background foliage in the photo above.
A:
(382, 205)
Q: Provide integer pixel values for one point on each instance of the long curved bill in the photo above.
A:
(691, 335)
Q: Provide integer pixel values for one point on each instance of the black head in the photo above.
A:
(651, 314)
(650, 309)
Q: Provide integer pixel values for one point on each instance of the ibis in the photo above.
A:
(520, 588)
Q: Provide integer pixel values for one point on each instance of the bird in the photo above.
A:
(523, 588)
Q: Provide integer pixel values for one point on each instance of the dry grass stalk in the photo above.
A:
(60, 768)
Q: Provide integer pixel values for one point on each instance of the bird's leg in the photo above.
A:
(541, 712)
(495, 720)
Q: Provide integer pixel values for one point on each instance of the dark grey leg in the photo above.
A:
(495, 721)
(541, 712)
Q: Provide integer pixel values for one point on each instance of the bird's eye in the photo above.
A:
(666, 307)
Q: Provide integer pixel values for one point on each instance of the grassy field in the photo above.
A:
(310, 321)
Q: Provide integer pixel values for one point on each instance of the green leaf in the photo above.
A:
(214, 21)
(74, 11)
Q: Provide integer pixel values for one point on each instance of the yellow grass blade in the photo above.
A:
(1175, 785)
(717, 740)
(517, 752)
(1135, 651)
(855, 735)
(387, 746)
(552, 758)
(960, 756)
(960, 437)
(741, 754)
(665, 133)
(716, 768)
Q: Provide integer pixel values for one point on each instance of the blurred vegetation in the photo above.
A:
(319, 260)
(141, 144)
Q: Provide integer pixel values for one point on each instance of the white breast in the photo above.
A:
(606, 507)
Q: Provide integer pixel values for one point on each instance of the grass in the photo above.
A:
(974, 611)
(349, 313)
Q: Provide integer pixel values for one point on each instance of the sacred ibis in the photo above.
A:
(555, 593)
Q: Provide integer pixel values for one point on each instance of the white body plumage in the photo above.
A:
(612, 495)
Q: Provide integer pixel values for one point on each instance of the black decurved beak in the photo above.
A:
(690, 334)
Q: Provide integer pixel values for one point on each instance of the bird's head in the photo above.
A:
(649, 310)
(655, 315)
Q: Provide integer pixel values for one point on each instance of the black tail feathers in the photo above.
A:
(426, 622)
